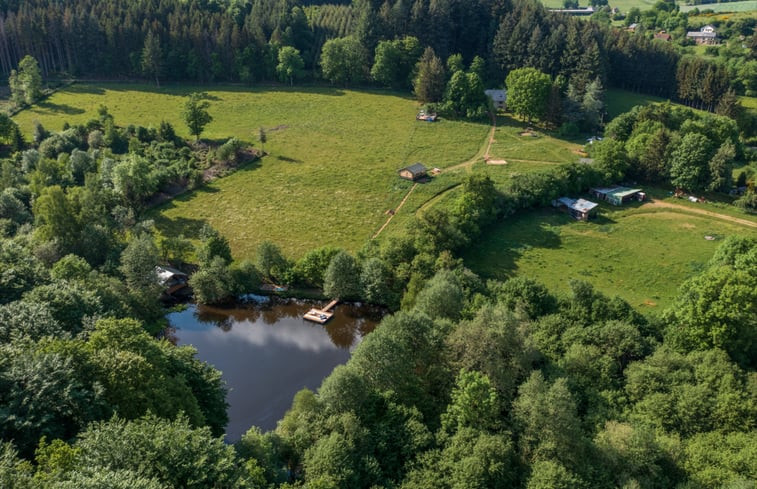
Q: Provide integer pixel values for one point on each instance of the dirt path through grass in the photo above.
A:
(668, 205)
(482, 153)
(395, 211)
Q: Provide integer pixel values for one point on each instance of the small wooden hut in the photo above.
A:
(413, 172)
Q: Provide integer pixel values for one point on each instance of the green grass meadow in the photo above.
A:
(619, 101)
(331, 172)
(745, 6)
(638, 253)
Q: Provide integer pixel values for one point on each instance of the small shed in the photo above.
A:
(499, 98)
(578, 209)
(413, 172)
(171, 279)
(618, 195)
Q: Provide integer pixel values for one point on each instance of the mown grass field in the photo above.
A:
(640, 253)
(745, 6)
(331, 172)
(623, 5)
(620, 101)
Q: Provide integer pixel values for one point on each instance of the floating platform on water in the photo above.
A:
(321, 316)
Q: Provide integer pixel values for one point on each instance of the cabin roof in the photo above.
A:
(580, 205)
(416, 168)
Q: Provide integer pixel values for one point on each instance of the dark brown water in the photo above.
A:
(267, 352)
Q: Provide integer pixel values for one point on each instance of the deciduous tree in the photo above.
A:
(196, 114)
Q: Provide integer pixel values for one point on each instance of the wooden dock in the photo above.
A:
(321, 316)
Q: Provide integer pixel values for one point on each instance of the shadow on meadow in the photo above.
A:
(510, 239)
(183, 89)
(51, 108)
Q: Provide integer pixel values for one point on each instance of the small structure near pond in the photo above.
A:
(171, 279)
(414, 172)
(618, 195)
(425, 116)
(321, 316)
(579, 209)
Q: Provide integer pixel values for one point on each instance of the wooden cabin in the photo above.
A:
(413, 172)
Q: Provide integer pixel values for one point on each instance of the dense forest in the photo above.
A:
(240, 40)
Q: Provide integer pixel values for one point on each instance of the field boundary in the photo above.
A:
(703, 212)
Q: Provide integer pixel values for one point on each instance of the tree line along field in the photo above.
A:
(330, 176)
(331, 169)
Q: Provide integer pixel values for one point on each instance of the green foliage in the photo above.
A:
(464, 96)
(716, 459)
(493, 345)
(135, 179)
(394, 62)
(610, 158)
(548, 422)
(21, 319)
(474, 404)
(195, 113)
(163, 453)
(290, 64)
(271, 262)
(548, 474)
(14, 472)
(633, 456)
(690, 394)
(689, 162)
(716, 309)
(376, 281)
(343, 61)
(442, 297)
(428, 84)
(138, 262)
(213, 245)
(212, 283)
(342, 277)
(152, 57)
(527, 92)
(26, 83)
(311, 268)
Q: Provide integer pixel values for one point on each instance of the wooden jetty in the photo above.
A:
(321, 316)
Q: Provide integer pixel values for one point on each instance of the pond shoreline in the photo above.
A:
(267, 352)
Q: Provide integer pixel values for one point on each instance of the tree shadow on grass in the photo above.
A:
(503, 244)
(189, 228)
(288, 159)
(51, 108)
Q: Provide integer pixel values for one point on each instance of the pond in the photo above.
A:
(267, 352)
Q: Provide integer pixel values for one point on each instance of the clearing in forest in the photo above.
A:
(331, 170)
(641, 253)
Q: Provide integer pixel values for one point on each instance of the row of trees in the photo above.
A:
(268, 39)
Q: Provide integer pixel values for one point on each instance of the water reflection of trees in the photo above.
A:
(349, 323)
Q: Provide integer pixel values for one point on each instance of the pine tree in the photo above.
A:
(429, 83)
(152, 57)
